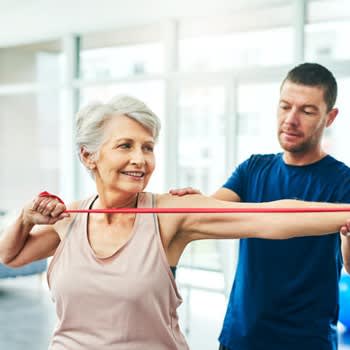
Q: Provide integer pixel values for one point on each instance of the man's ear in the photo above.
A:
(332, 114)
(87, 158)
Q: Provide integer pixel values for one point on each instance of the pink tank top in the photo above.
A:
(127, 301)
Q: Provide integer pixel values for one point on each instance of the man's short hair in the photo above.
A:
(314, 74)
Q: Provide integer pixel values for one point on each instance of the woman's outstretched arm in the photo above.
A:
(259, 225)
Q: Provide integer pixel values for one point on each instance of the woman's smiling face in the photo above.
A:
(125, 161)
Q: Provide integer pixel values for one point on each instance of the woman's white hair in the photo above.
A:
(91, 120)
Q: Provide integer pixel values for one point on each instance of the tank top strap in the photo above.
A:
(79, 218)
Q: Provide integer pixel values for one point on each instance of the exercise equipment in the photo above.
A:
(198, 210)
(344, 300)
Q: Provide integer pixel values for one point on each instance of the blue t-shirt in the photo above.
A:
(285, 293)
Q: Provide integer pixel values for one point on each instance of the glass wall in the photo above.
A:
(122, 61)
(36, 63)
(337, 143)
(234, 50)
(201, 130)
(257, 119)
(115, 54)
(28, 147)
(201, 160)
(29, 121)
(327, 31)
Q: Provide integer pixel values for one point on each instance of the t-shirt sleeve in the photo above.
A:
(236, 182)
(343, 188)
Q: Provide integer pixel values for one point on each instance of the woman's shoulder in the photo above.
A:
(164, 200)
(78, 204)
(167, 200)
(84, 203)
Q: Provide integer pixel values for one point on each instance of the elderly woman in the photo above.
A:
(111, 274)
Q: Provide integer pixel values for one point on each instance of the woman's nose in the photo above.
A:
(138, 158)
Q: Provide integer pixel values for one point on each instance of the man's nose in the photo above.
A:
(292, 116)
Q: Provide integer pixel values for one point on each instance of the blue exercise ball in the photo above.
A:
(344, 300)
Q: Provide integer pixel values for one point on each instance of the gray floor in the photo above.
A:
(27, 316)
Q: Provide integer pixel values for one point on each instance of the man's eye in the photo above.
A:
(308, 112)
(284, 107)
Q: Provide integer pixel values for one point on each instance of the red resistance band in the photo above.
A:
(198, 210)
(47, 194)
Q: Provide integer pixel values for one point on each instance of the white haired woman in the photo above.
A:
(111, 275)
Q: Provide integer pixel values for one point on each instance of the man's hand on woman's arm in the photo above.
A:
(345, 245)
(183, 191)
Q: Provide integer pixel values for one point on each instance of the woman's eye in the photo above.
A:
(149, 148)
(125, 145)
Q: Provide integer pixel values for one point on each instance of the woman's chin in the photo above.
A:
(133, 188)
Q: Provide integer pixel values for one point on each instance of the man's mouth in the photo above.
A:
(290, 134)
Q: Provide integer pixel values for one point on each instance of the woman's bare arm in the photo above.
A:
(35, 233)
(261, 225)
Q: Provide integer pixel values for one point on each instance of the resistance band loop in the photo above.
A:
(198, 210)
(207, 210)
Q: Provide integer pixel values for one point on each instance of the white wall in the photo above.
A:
(16, 66)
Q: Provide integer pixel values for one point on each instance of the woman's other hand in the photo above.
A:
(44, 211)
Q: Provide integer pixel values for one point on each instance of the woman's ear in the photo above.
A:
(87, 158)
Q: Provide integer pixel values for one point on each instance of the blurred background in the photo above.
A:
(210, 69)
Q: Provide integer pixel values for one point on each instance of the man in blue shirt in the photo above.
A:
(285, 293)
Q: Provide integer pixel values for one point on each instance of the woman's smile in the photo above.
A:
(134, 175)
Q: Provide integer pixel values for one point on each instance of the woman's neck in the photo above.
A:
(111, 200)
(107, 200)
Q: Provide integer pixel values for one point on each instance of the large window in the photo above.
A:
(39, 63)
(337, 140)
(201, 154)
(29, 147)
(117, 62)
(327, 30)
(257, 119)
(120, 54)
(237, 50)
(326, 41)
(254, 37)
(29, 121)
(201, 130)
